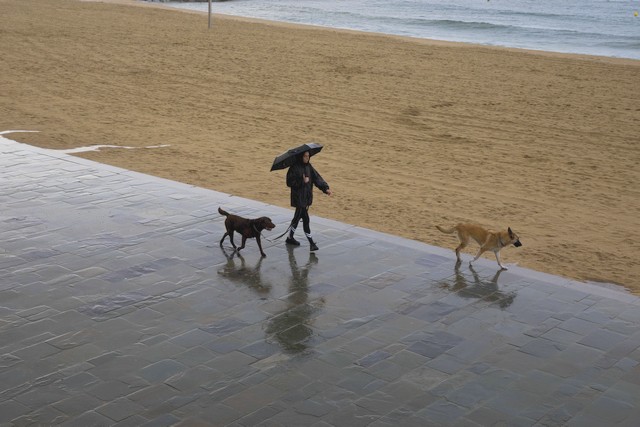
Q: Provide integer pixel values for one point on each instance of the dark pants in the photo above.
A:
(301, 214)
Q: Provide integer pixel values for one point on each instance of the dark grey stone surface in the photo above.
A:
(118, 307)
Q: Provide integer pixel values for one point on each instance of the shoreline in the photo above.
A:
(417, 132)
(437, 42)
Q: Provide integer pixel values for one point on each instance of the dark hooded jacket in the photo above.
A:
(301, 193)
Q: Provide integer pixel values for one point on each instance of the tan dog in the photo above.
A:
(488, 240)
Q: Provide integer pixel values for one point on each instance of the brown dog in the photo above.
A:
(488, 240)
(248, 228)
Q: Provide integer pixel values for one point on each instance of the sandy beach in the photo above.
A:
(417, 133)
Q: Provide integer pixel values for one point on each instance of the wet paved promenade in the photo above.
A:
(118, 307)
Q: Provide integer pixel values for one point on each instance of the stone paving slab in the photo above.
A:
(118, 307)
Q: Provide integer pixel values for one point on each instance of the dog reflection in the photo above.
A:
(249, 276)
(479, 288)
(290, 328)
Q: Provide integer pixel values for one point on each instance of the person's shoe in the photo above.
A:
(292, 241)
(313, 247)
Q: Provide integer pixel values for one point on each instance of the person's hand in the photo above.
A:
(306, 179)
(329, 192)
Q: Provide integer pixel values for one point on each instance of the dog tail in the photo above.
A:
(223, 212)
(447, 231)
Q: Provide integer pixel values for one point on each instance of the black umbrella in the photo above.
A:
(289, 157)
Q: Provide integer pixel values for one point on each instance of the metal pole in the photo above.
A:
(209, 14)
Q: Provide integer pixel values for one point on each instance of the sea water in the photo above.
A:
(593, 27)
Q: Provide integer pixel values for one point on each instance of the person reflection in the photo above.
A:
(290, 327)
(248, 276)
(487, 290)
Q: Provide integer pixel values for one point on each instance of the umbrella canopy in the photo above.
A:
(289, 157)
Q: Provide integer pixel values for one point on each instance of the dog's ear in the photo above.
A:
(510, 232)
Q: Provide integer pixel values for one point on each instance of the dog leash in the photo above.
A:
(279, 237)
(275, 238)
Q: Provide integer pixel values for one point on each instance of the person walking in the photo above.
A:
(301, 177)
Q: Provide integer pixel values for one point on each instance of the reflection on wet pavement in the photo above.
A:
(291, 328)
(478, 287)
(249, 276)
